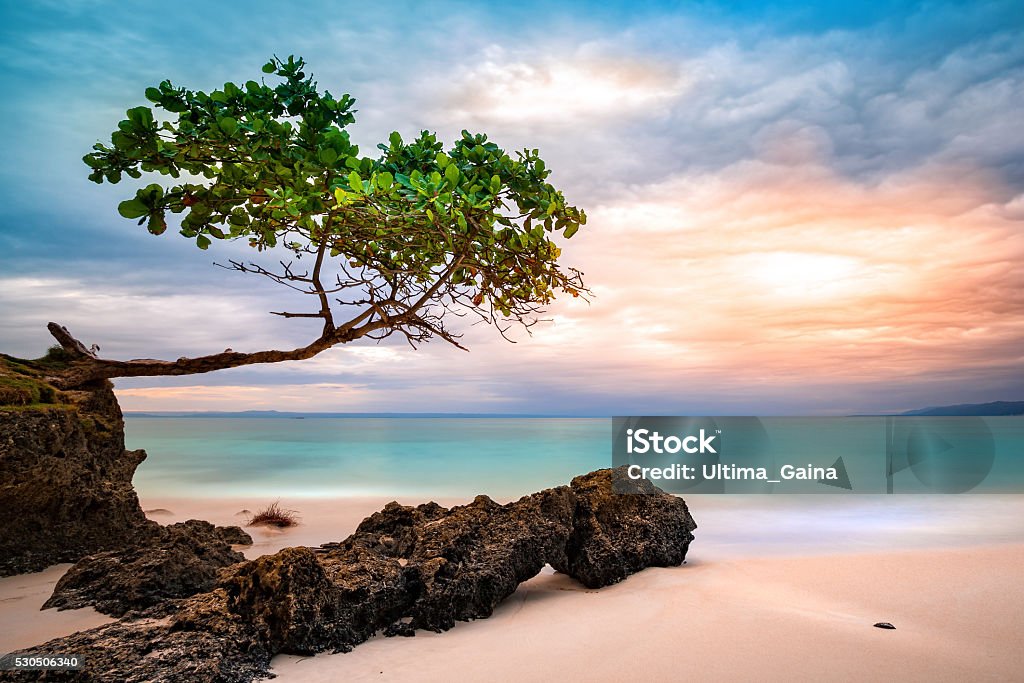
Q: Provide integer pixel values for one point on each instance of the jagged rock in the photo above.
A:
(300, 603)
(404, 568)
(232, 535)
(65, 476)
(183, 560)
(477, 555)
(394, 527)
(621, 526)
(201, 642)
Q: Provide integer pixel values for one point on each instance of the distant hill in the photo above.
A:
(994, 409)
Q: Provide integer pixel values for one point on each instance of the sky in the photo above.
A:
(795, 208)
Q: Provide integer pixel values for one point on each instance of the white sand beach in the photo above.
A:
(959, 615)
(782, 596)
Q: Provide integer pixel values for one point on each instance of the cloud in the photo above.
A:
(791, 274)
(561, 91)
(308, 397)
(783, 217)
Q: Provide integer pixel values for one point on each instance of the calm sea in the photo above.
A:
(508, 457)
(417, 459)
(287, 457)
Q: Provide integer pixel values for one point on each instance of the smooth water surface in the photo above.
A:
(206, 457)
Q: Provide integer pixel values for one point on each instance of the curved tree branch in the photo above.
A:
(86, 367)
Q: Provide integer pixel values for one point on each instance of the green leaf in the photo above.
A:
(571, 230)
(228, 125)
(132, 208)
(157, 224)
(355, 182)
(203, 242)
(141, 116)
(451, 174)
(269, 68)
(327, 156)
(153, 94)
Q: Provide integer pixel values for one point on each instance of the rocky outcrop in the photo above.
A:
(616, 534)
(403, 569)
(185, 559)
(65, 476)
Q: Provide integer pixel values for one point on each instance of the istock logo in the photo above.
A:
(742, 454)
(642, 441)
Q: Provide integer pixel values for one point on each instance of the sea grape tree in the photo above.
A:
(395, 243)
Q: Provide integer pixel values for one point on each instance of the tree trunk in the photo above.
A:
(85, 366)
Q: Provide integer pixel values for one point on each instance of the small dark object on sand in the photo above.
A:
(886, 625)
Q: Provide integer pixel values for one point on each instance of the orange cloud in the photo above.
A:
(737, 285)
(773, 272)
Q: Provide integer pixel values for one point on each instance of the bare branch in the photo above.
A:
(70, 345)
(90, 368)
(284, 314)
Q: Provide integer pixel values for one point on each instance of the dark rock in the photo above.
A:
(66, 480)
(65, 476)
(285, 598)
(616, 533)
(465, 563)
(885, 625)
(185, 559)
(403, 628)
(394, 529)
(202, 641)
(232, 535)
(404, 568)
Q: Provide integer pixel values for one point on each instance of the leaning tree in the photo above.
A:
(393, 244)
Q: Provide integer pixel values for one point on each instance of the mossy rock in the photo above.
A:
(23, 384)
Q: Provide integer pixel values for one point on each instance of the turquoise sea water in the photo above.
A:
(507, 457)
(417, 459)
(212, 457)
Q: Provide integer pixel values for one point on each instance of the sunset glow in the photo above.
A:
(818, 217)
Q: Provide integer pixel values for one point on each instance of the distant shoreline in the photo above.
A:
(992, 409)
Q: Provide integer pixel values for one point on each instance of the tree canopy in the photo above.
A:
(393, 243)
